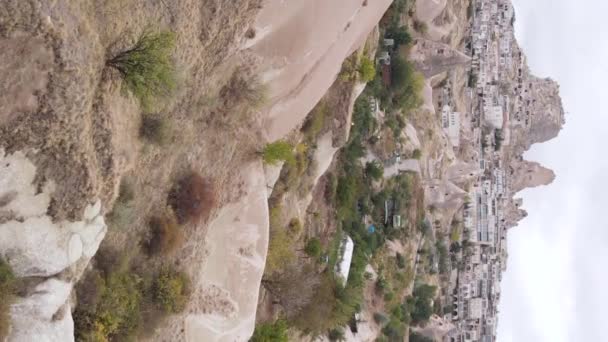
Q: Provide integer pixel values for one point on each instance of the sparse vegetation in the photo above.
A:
(270, 332)
(166, 234)
(278, 151)
(420, 26)
(123, 212)
(147, 69)
(156, 129)
(171, 290)
(192, 199)
(7, 292)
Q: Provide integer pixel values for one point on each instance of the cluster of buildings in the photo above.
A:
(501, 85)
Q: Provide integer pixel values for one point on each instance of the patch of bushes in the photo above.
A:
(110, 306)
(315, 122)
(156, 129)
(270, 332)
(245, 89)
(417, 337)
(166, 235)
(336, 335)
(192, 199)
(147, 69)
(7, 292)
(406, 84)
(280, 246)
(313, 248)
(277, 152)
(171, 290)
(366, 69)
(421, 303)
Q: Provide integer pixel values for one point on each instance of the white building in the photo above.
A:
(451, 125)
(494, 115)
(342, 268)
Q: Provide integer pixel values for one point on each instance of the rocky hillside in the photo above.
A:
(72, 135)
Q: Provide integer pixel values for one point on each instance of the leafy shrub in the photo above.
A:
(420, 26)
(7, 292)
(367, 70)
(171, 290)
(146, 68)
(192, 199)
(313, 247)
(166, 235)
(270, 332)
(277, 151)
(156, 129)
(416, 154)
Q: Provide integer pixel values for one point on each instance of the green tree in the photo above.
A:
(270, 332)
(417, 154)
(277, 151)
(367, 70)
(375, 170)
(313, 247)
(407, 84)
(147, 69)
(400, 34)
(422, 297)
(336, 335)
(416, 337)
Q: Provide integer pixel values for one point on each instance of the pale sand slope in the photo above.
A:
(302, 44)
(426, 11)
(238, 241)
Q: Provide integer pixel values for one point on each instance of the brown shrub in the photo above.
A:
(166, 235)
(192, 199)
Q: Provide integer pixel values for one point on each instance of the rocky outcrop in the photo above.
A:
(302, 45)
(223, 308)
(36, 246)
(526, 174)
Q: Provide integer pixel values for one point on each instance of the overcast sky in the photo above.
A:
(555, 285)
